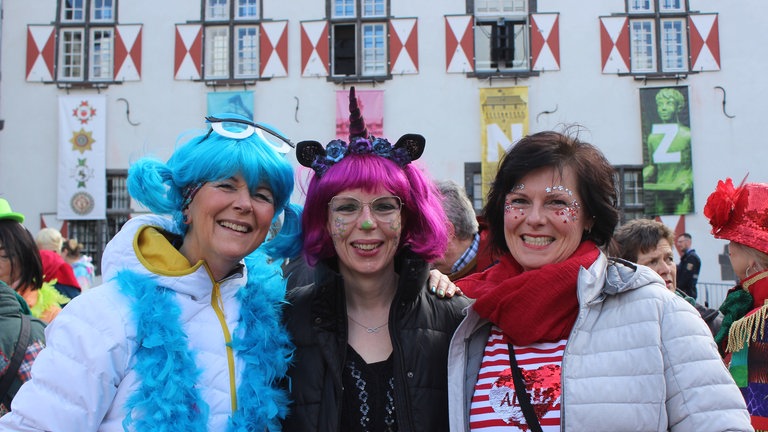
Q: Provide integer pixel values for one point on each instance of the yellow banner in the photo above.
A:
(503, 122)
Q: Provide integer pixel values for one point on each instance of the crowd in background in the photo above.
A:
(385, 303)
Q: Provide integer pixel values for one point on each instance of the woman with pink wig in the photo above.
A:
(371, 341)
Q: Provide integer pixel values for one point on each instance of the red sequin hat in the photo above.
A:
(739, 214)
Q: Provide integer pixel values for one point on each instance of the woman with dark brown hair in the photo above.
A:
(562, 338)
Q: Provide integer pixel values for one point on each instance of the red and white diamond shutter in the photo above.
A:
(614, 45)
(41, 47)
(705, 42)
(273, 48)
(459, 44)
(404, 46)
(128, 52)
(545, 42)
(188, 56)
(314, 48)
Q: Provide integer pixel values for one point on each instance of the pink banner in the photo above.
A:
(371, 104)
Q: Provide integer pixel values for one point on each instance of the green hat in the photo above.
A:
(7, 213)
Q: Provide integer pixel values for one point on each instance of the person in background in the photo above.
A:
(82, 265)
(49, 239)
(186, 332)
(21, 336)
(739, 214)
(468, 244)
(55, 269)
(371, 341)
(562, 338)
(689, 266)
(21, 267)
(21, 339)
(648, 242)
(60, 274)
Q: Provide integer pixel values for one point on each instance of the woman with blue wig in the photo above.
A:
(371, 341)
(185, 334)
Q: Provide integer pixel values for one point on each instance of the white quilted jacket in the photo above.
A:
(639, 358)
(82, 379)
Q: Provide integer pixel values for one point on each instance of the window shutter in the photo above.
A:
(459, 44)
(614, 44)
(188, 58)
(705, 42)
(41, 45)
(273, 49)
(128, 52)
(314, 48)
(545, 41)
(403, 46)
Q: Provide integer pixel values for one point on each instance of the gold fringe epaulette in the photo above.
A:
(747, 329)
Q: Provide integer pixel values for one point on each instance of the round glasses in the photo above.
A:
(348, 209)
(237, 128)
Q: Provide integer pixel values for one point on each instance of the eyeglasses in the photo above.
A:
(384, 209)
(238, 128)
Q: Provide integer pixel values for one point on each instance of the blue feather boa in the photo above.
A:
(167, 398)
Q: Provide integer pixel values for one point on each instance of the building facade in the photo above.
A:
(472, 76)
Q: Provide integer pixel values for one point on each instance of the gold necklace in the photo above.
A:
(368, 329)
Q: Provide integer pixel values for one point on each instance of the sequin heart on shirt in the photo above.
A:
(542, 384)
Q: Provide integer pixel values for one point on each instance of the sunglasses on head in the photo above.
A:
(237, 128)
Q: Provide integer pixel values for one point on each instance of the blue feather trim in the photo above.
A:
(167, 397)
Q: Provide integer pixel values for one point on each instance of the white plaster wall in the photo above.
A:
(443, 107)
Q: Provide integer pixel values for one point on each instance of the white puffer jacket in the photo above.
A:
(638, 358)
(82, 379)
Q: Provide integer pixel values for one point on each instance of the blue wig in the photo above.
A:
(212, 157)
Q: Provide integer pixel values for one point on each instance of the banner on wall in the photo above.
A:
(667, 165)
(371, 103)
(82, 158)
(503, 122)
(235, 102)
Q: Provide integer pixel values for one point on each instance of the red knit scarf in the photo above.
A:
(531, 306)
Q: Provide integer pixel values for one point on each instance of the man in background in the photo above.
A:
(689, 266)
(468, 244)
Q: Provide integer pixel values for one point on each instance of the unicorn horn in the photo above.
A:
(356, 123)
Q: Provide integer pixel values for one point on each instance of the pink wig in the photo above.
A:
(424, 229)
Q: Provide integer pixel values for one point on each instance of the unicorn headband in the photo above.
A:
(311, 154)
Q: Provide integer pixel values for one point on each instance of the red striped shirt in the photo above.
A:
(495, 407)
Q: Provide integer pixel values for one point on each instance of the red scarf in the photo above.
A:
(531, 306)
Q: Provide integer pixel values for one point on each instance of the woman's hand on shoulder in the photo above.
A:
(441, 286)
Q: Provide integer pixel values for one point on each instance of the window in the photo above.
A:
(86, 31)
(629, 184)
(94, 234)
(658, 36)
(473, 184)
(501, 36)
(231, 39)
(359, 33)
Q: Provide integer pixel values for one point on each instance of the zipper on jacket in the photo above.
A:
(583, 311)
(402, 402)
(218, 307)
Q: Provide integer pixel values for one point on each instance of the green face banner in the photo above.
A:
(667, 172)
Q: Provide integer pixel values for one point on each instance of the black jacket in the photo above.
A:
(420, 325)
(688, 272)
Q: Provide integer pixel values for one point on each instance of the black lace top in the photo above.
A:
(369, 397)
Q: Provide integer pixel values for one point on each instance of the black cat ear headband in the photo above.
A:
(311, 154)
